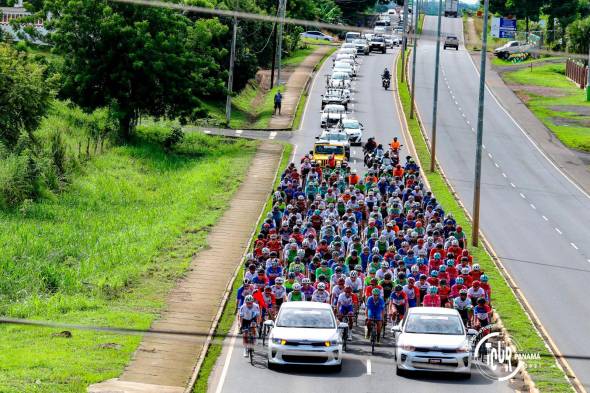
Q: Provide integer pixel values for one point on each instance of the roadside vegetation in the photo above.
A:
(545, 372)
(558, 102)
(105, 253)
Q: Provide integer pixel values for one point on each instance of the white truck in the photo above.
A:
(451, 8)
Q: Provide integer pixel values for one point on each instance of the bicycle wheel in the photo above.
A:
(263, 335)
(373, 340)
(251, 354)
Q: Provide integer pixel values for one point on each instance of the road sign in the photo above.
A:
(503, 27)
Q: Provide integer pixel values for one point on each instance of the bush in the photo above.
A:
(18, 179)
(174, 138)
(578, 36)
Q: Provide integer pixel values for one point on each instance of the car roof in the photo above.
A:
(433, 311)
(306, 305)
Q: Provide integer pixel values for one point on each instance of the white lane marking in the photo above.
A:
(483, 145)
(545, 218)
(227, 362)
(354, 153)
(529, 138)
(456, 103)
(513, 185)
(368, 366)
(294, 152)
(490, 155)
(522, 196)
(534, 207)
(468, 122)
(272, 135)
(558, 231)
(588, 260)
(574, 246)
(239, 132)
(463, 114)
(504, 175)
(496, 165)
(207, 132)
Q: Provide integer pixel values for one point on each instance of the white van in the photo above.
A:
(352, 35)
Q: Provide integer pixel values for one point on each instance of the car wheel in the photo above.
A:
(271, 366)
(466, 375)
(399, 372)
(456, 48)
(337, 368)
(384, 50)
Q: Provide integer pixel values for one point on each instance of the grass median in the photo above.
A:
(547, 375)
(105, 253)
(229, 310)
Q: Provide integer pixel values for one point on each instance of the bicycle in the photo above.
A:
(373, 333)
(251, 340)
(344, 333)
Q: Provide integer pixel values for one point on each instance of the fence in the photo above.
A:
(577, 73)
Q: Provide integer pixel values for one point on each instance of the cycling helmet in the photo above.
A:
(274, 263)
(306, 281)
(463, 292)
(348, 289)
(481, 300)
(465, 270)
(436, 255)
(267, 288)
(376, 291)
(358, 268)
(484, 278)
(434, 273)
(450, 262)
(279, 280)
(353, 274)
(249, 299)
(384, 264)
(375, 250)
(401, 276)
(321, 286)
(415, 269)
(423, 277)
(476, 283)
(398, 288)
(296, 286)
(246, 281)
(476, 267)
(459, 280)
(338, 269)
(291, 275)
(433, 290)
(442, 268)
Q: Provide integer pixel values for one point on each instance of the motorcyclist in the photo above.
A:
(386, 74)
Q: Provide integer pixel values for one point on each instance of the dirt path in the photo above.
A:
(164, 363)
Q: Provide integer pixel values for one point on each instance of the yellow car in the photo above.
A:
(323, 150)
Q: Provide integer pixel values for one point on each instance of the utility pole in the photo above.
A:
(282, 6)
(588, 78)
(230, 78)
(274, 56)
(480, 112)
(435, 105)
(414, 54)
(404, 40)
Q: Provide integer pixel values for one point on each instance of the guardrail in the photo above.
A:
(577, 73)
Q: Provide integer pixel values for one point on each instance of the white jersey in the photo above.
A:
(320, 297)
(249, 313)
(344, 300)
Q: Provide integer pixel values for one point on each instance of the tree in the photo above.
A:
(565, 11)
(578, 36)
(526, 9)
(135, 60)
(24, 95)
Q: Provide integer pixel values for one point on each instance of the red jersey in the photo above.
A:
(432, 281)
(475, 275)
(434, 264)
(431, 300)
(455, 290)
(443, 276)
(467, 280)
(486, 287)
(274, 245)
(369, 290)
(443, 254)
(444, 292)
(452, 272)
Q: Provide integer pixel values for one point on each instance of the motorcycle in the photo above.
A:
(385, 82)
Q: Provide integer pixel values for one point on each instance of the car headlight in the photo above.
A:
(407, 347)
(331, 343)
(279, 341)
(465, 347)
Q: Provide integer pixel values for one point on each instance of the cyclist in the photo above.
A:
(320, 295)
(475, 292)
(398, 304)
(306, 288)
(444, 291)
(432, 299)
(374, 312)
(457, 287)
(345, 307)
(296, 295)
(476, 272)
(249, 313)
(280, 293)
(486, 287)
(423, 287)
(482, 314)
(269, 301)
(463, 306)
(243, 291)
(354, 282)
(412, 292)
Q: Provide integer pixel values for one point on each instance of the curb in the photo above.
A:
(527, 380)
(189, 388)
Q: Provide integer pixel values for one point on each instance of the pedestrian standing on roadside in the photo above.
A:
(278, 100)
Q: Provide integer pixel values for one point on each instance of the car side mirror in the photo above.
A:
(269, 323)
(342, 326)
(472, 332)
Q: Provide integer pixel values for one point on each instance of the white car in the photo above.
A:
(318, 35)
(348, 51)
(354, 131)
(305, 333)
(335, 136)
(350, 62)
(362, 46)
(340, 78)
(332, 115)
(344, 67)
(433, 339)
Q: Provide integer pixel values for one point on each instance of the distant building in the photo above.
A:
(18, 11)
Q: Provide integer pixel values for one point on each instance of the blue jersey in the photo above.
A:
(375, 307)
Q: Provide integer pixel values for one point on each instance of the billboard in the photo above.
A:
(503, 27)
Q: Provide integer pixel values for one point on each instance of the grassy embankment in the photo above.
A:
(228, 316)
(105, 252)
(562, 107)
(547, 376)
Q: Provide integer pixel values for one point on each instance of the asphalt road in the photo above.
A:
(361, 372)
(536, 220)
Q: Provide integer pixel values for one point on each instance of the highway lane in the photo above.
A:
(375, 108)
(534, 217)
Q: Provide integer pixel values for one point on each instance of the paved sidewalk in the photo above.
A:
(569, 161)
(294, 87)
(165, 363)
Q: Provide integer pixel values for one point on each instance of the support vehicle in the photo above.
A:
(451, 8)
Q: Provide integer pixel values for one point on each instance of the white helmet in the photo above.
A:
(322, 286)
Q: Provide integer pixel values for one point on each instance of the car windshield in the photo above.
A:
(359, 41)
(335, 137)
(339, 76)
(329, 149)
(434, 324)
(334, 109)
(451, 37)
(306, 318)
(377, 39)
(351, 124)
